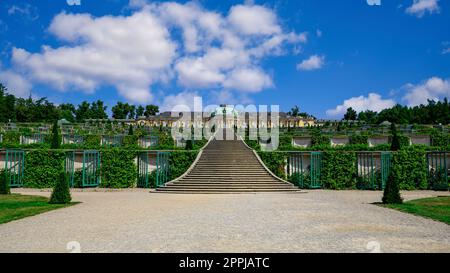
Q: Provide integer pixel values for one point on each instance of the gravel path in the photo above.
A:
(138, 221)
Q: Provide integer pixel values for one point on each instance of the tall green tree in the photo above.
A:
(67, 111)
(151, 110)
(350, 114)
(120, 110)
(132, 112)
(83, 111)
(140, 111)
(98, 110)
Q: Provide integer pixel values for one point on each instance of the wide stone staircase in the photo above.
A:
(227, 166)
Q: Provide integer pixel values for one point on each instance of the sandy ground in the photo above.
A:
(139, 221)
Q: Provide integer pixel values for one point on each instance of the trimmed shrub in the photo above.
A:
(4, 183)
(43, 168)
(61, 192)
(189, 145)
(411, 168)
(56, 139)
(130, 130)
(395, 143)
(338, 170)
(391, 194)
(118, 168)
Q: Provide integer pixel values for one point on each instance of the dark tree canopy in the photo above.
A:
(151, 110)
(351, 114)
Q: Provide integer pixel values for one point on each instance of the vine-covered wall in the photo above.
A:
(118, 168)
(339, 170)
(42, 168)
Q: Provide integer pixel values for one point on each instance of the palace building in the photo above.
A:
(228, 116)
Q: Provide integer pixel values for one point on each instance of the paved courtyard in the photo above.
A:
(139, 221)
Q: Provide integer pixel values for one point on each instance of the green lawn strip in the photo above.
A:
(16, 206)
(437, 208)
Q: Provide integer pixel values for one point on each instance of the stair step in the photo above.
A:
(227, 167)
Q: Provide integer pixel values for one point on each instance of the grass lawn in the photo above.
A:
(437, 208)
(16, 206)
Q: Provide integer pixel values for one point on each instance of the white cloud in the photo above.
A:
(312, 63)
(248, 80)
(434, 88)
(17, 85)
(105, 52)
(373, 102)
(420, 7)
(158, 42)
(28, 11)
(184, 98)
(254, 20)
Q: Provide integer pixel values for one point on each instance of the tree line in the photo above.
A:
(431, 113)
(14, 109)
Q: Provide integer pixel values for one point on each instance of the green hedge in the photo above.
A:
(43, 168)
(359, 139)
(179, 162)
(411, 167)
(338, 170)
(275, 162)
(10, 140)
(118, 168)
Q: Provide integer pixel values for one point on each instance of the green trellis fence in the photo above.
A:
(153, 163)
(112, 141)
(83, 168)
(372, 169)
(438, 170)
(14, 167)
(33, 139)
(304, 169)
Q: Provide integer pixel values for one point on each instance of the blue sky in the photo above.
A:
(323, 56)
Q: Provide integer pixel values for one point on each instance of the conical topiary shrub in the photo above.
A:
(61, 192)
(391, 194)
(189, 144)
(4, 183)
(56, 139)
(395, 144)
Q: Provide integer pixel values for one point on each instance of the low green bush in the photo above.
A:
(4, 183)
(61, 191)
(391, 193)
